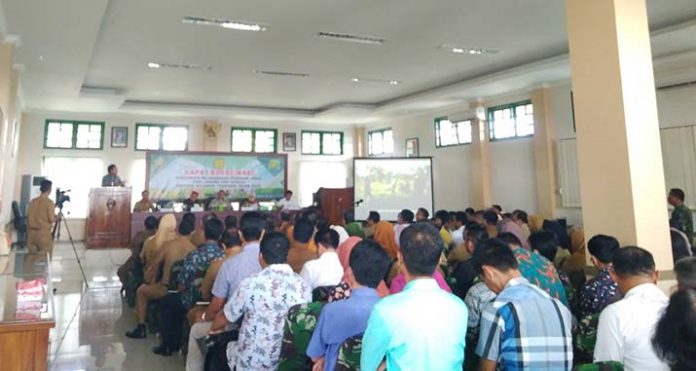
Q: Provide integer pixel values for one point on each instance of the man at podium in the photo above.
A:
(111, 179)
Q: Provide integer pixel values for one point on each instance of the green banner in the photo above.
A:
(173, 175)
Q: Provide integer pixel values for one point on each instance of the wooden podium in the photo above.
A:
(333, 202)
(109, 218)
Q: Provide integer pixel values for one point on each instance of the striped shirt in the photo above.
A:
(526, 329)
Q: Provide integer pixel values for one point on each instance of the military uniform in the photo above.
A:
(41, 216)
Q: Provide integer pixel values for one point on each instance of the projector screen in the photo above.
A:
(389, 185)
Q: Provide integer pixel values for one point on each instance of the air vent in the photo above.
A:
(184, 66)
(351, 38)
(224, 23)
(281, 73)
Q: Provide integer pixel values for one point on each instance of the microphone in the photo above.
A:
(359, 202)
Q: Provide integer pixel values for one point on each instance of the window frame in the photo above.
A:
(438, 138)
(253, 139)
(75, 124)
(161, 143)
(382, 131)
(491, 122)
(321, 142)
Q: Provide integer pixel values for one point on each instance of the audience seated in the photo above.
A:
(441, 220)
(458, 225)
(422, 215)
(626, 327)
(396, 327)
(174, 306)
(522, 220)
(133, 266)
(263, 300)
(327, 269)
(536, 269)
(685, 270)
(460, 258)
(524, 328)
(166, 231)
(342, 291)
(346, 318)
(384, 233)
(546, 244)
(403, 220)
(172, 252)
(353, 228)
(297, 332)
(300, 252)
(231, 273)
(490, 218)
(675, 334)
(198, 237)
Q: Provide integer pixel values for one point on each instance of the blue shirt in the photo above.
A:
(421, 328)
(526, 329)
(339, 321)
(235, 269)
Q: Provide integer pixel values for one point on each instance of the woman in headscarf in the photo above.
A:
(342, 291)
(384, 235)
(151, 248)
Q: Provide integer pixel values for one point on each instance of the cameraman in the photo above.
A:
(41, 216)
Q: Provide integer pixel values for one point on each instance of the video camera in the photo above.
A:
(61, 197)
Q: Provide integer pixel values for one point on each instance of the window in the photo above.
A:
(511, 121)
(322, 143)
(380, 142)
(448, 133)
(69, 173)
(157, 137)
(253, 140)
(74, 134)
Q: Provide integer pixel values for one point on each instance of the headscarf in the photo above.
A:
(384, 235)
(344, 251)
(166, 231)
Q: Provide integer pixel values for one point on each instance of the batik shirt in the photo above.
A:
(540, 271)
(597, 293)
(264, 300)
(193, 271)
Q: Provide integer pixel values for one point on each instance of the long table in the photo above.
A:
(138, 219)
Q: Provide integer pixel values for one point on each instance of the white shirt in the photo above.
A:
(626, 329)
(325, 271)
(288, 204)
(397, 232)
(458, 236)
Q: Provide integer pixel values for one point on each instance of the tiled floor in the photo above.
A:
(91, 321)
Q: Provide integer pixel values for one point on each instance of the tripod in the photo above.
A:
(56, 236)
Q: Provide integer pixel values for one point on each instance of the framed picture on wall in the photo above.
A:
(289, 142)
(412, 147)
(119, 137)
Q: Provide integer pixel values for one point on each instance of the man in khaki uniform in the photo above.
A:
(41, 215)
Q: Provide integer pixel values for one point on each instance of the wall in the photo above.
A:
(131, 162)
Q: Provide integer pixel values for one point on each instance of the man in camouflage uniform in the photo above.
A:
(682, 218)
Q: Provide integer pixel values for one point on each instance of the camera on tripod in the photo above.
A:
(61, 198)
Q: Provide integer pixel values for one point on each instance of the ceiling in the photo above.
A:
(92, 55)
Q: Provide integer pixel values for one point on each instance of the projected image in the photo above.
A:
(387, 186)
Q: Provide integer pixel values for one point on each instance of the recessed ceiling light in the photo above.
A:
(225, 23)
(184, 66)
(383, 81)
(281, 73)
(360, 39)
(471, 51)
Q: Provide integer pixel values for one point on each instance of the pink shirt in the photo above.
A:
(399, 282)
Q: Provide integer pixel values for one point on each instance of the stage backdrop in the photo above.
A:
(173, 175)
